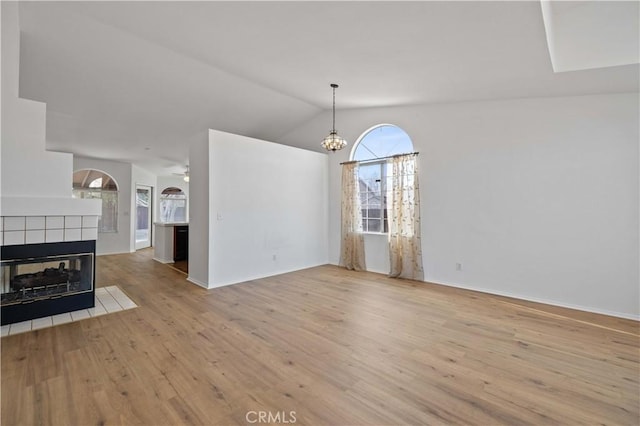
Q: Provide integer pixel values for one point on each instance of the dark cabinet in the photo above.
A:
(180, 243)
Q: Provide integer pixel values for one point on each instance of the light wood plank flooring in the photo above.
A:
(335, 347)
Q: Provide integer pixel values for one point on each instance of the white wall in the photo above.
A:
(537, 198)
(34, 182)
(114, 242)
(267, 208)
(27, 169)
(199, 185)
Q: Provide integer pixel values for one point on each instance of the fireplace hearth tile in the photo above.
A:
(118, 303)
(97, 310)
(61, 318)
(39, 323)
(112, 307)
(122, 299)
(81, 314)
(20, 327)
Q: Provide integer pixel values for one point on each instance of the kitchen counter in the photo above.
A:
(165, 249)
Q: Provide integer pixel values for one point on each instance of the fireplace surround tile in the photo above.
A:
(72, 222)
(54, 235)
(14, 223)
(55, 222)
(89, 221)
(72, 234)
(34, 236)
(35, 222)
(12, 238)
(89, 233)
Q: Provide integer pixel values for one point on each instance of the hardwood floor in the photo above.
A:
(331, 346)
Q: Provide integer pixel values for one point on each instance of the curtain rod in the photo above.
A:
(380, 158)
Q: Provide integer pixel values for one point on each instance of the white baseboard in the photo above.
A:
(544, 301)
(163, 261)
(198, 283)
(533, 299)
(112, 253)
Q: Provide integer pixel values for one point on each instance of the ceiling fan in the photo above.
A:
(185, 175)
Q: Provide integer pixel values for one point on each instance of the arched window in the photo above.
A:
(173, 205)
(370, 150)
(89, 183)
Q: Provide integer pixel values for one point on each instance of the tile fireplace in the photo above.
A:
(38, 280)
(47, 257)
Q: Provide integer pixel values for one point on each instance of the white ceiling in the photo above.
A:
(136, 81)
(592, 34)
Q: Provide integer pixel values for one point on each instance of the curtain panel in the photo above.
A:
(405, 247)
(352, 245)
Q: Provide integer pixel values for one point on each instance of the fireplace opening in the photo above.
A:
(38, 280)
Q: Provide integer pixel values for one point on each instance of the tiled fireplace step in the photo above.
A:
(108, 300)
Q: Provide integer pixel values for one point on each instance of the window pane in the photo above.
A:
(109, 220)
(374, 213)
(173, 210)
(382, 141)
(373, 225)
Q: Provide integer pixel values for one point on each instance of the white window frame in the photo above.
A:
(383, 217)
(383, 179)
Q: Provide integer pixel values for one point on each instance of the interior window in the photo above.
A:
(173, 205)
(89, 183)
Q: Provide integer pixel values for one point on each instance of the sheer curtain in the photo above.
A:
(405, 248)
(352, 247)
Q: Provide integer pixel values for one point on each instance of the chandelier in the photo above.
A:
(333, 142)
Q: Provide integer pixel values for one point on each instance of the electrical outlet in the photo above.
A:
(458, 266)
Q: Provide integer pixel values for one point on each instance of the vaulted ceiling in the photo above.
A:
(136, 81)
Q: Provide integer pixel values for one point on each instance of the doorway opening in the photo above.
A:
(144, 197)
